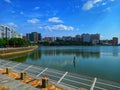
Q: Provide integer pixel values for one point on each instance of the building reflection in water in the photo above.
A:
(61, 52)
(76, 52)
(69, 56)
(115, 51)
(35, 55)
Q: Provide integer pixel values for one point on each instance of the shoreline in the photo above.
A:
(14, 51)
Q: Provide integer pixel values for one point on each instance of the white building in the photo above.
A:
(7, 32)
(1, 31)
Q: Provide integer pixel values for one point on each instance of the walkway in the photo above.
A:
(15, 84)
(62, 78)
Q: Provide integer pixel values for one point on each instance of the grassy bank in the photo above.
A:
(14, 51)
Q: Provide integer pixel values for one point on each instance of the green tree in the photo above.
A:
(3, 42)
(18, 42)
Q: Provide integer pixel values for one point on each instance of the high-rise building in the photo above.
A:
(78, 38)
(95, 38)
(1, 31)
(27, 36)
(67, 38)
(33, 37)
(115, 41)
(7, 32)
(85, 37)
(48, 39)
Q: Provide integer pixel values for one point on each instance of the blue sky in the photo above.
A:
(62, 17)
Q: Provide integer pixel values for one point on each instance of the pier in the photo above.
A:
(62, 78)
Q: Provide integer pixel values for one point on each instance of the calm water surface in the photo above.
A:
(99, 61)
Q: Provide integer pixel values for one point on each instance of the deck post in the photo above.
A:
(23, 75)
(44, 82)
(8, 70)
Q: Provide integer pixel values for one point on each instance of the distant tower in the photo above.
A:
(95, 39)
(33, 37)
(85, 37)
(27, 36)
(115, 41)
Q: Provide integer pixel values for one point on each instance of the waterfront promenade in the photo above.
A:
(14, 84)
(62, 78)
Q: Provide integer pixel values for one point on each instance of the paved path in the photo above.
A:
(15, 84)
(61, 77)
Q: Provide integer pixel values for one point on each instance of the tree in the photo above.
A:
(3, 42)
(18, 42)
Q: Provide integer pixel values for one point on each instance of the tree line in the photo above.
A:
(14, 42)
(65, 43)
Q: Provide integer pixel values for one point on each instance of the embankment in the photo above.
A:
(14, 51)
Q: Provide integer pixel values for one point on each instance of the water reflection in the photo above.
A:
(86, 60)
(115, 51)
(55, 51)
(76, 52)
(17, 57)
(74, 62)
(79, 52)
(35, 55)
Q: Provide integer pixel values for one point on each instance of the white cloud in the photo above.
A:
(108, 9)
(55, 19)
(40, 27)
(104, 3)
(59, 27)
(33, 21)
(11, 24)
(90, 4)
(8, 1)
(36, 8)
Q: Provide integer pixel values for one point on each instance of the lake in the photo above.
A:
(95, 61)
